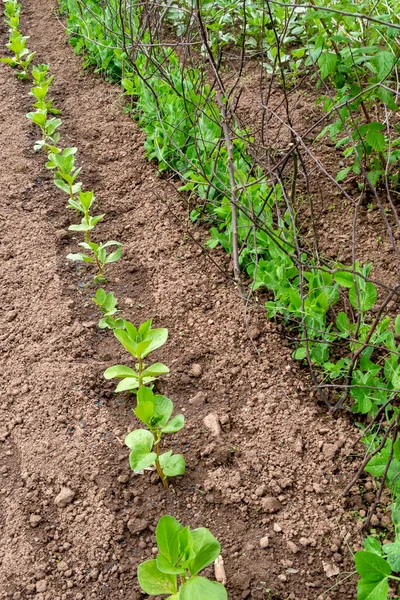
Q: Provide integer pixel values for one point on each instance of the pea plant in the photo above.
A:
(22, 57)
(182, 554)
(154, 410)
(99, 255)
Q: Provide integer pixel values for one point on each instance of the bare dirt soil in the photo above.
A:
(269, 485)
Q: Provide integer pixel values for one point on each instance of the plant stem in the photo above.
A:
(157, 462)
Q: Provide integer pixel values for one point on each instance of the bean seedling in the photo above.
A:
(155, 412)
(108, 306)
(183, 553)
(139, 342)
(100, 257)
(22, 56)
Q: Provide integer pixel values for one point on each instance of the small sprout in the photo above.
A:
(99, 254)
(139, 343)
(183, 554)
(155, 412)
(65, 175)
(108, 306)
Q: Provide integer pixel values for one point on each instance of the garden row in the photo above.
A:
(183, 553)
(355, 348)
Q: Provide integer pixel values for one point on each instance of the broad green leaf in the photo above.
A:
(371, 544)
(373, 590)
(158, 338)
(140, 438)
(119, 371)
(167, 532)
(163, 409)
(174, 424)
(375, 137)
(165, 566)
(397, 325)
(127, 384)
(200, 588)
(155, 370)
(126, 341)
(300, 354)
(153, 581)
(139, 460)
(172, 465)
(392, 552)
(327, 63)
(206, 547)
(80, 257)
(367, 297)
(344, 278)
(371, 567)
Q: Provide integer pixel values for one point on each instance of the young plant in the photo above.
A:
(12, 11)
(183, 554)
(108, 306)
(22, 57)
(99, 253)
(155, 412)
(40, 92)
(66, 174)
(139, 342)
(48, 127)
(377, 563)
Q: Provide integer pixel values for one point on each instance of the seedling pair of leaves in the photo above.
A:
(139, 342)
(22, 56)
(108, 306)
(183, 554)
(377, 562)
(82, 204)
(65, 176)
(155, 412)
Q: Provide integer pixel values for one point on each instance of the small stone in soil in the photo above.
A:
(264, 542)
(196, 370)
(65, 497)
(199, 398)
(41, 586)
(270, 504)
(34, 520)
(211, 421)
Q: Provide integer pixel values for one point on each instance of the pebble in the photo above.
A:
(211, 421)
(34, 520)
(196, 370)
(64, 498)
(41, 586)
(137, 525)
(199, 398)
(292, 547)
(282, 577)
(264, 542)
(270, 504)
(277, 528)
(254, 333)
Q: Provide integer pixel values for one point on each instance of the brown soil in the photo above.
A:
(280, 464)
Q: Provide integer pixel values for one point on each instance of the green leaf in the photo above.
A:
(200, 588)
(206, 547)
(172, 465)
(375, 137)
(397, 325)
(141, 443)
(344, 278)
(370, 566)
(119, 372)
(300, 354)
(367, 297)
(153, 581)
(127, 384)
(158, 338)
(373, 590)
(327, 63)
(167, 531)
(392, 552)
(371, 544)
(155, 370)
(165, 566)
(174, 424)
